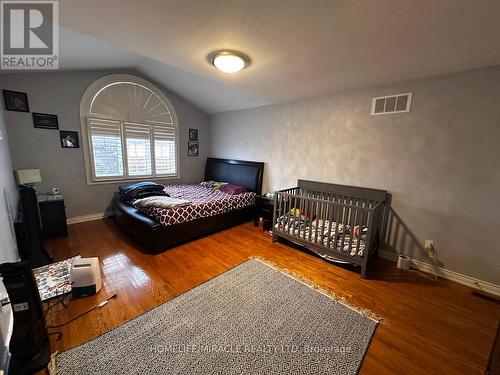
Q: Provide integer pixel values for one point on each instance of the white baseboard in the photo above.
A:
(444, 273)
(84, 218)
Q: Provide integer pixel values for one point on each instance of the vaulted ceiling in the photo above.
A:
(299, 48)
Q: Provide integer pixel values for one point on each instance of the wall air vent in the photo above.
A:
(384, 105)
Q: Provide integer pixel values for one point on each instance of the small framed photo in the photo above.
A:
(193, 149)
(69, 139)
(193, 134)
(16, 101)
(45, 121)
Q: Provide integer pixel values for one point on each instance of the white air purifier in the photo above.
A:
(85, 277)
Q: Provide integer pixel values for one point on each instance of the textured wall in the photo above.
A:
(8, 198)
(60, 93)
(441, 161)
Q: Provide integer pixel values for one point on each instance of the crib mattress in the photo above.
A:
(341, 238)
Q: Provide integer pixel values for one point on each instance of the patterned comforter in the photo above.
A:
(205, 202)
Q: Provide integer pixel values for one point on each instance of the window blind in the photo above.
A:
(123, 150)
(106, 148)
(138, 149)
(164, 150)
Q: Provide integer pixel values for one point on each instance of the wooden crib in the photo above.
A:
(337, 222)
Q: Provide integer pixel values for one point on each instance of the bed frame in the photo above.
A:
(350, 206)
(153, 237)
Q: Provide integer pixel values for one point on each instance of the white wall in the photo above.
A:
(8, 198)
(441, 161)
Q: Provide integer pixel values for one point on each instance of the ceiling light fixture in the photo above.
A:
(229, 61)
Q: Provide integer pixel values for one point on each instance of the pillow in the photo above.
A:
(233, 189)
(145, 185)
(134, 191)
(145, 194)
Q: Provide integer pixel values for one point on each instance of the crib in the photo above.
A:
(338, 222)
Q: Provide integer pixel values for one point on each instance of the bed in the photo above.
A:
(157, 229)
(338, 222)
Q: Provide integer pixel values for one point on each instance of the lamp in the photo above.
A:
(28, 176)
(228, 61)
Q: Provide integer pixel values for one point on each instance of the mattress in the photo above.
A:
(205, 202)
(341, 238)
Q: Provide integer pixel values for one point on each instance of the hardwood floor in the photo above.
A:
(433, 327)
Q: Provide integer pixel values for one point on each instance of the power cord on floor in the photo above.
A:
(434, 278)
(60, 300)
(435, 266)
(83, 313)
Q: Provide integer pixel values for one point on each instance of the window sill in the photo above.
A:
(132, 180)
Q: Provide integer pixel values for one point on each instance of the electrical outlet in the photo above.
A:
(429, 246)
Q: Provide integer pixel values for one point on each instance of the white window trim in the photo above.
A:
(85, 105)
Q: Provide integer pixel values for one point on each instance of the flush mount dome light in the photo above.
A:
(228, 61)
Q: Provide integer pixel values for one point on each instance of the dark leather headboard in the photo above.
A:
(239, 172)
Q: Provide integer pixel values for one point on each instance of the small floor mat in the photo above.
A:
(52, 280)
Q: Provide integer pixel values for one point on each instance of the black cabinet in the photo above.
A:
(264, 210)
(52, 215)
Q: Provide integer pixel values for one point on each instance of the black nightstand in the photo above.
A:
(52, 215)
(264, 208)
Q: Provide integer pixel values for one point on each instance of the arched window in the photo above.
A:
(129, 130)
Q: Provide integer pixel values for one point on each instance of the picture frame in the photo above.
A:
(69, 139)
(193, 149)
(193, 134)
(16, 101)
(45, 121)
